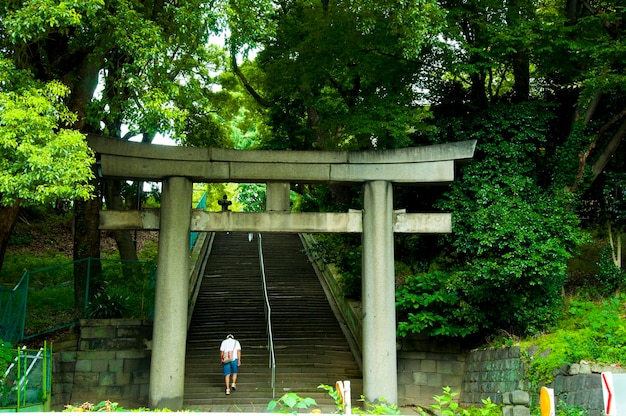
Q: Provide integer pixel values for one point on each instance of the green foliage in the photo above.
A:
(338, 77)
(7, 355)
(512, 234)
(107, 406)
(40, 160)
(17, 263)
(252, 197)
(610, 276)
(563, 409)
(216, 191)
(614, 193)
(589, 331)
(381, 407)
(125, 290)
(35, 21)
(345, 254)
(290, 403)
(103, 406)
(334, 394)
(427, 304)
(49, 306)
(105, 306)
(446, 405)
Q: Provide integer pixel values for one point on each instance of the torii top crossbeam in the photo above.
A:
(414, 165)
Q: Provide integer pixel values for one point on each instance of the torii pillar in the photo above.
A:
(169, 334)
(380, 374)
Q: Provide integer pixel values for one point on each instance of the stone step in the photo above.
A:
(310, 347)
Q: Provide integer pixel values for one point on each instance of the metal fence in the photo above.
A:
(45, 300)
(26, 382)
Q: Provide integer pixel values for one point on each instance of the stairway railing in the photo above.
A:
(268, 319)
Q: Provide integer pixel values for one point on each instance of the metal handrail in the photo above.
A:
(268, 319)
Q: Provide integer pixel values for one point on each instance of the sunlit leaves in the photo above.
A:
(41, 160)
(338, 74)
(35, 18)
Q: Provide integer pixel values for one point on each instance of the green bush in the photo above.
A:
(513, 232)
(427, 304)
(345, 253)
(610, 276)
(124, 290)
(445, 405)
(590, 331)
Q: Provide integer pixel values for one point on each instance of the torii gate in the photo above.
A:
(178, 167)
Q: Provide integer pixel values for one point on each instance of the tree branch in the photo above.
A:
(606, 154)
(610, 149)
(257, 97)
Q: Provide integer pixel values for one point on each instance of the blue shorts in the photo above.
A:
(230, 368)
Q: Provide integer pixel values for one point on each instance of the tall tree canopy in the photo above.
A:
(153, 61)
(41, 160)
(539, 83)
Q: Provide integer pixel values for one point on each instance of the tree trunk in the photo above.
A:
(86, 248)
(123, 238)
(8, 218)
(520, 58)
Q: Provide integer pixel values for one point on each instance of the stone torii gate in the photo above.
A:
(178, 167)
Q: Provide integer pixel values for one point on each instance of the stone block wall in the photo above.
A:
(425, 367)
(491, 374)
(110, 362)
(579, 385)
(499, 375)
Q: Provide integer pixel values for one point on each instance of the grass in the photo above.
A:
(41, 246)
(592, 331)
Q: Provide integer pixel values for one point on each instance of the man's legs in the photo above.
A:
(234, 370)
(226, 372)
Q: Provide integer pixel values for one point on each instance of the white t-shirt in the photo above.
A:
(230, 344)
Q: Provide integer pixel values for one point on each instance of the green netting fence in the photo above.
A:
(26, 382)
(48, 299)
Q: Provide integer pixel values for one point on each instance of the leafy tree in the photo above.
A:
(585, 73)
(336, 75)
(41, 160)
(154, 63)
(512, 233)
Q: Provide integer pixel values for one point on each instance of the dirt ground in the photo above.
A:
(45, 237)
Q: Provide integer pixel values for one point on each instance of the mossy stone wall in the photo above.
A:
(110, 360)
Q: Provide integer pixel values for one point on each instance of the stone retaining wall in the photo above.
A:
(492, 373)
(425, 367)
(499, 375)
(109, 361)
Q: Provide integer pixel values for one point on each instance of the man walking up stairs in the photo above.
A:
(309, 345)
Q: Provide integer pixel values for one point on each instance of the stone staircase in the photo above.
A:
(310, 347)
